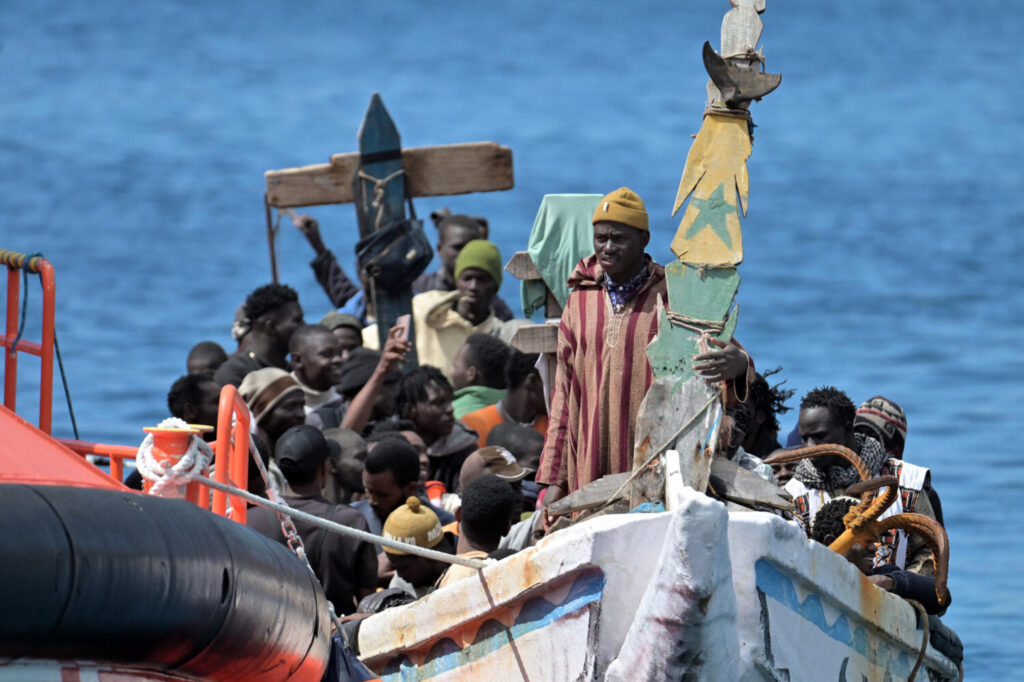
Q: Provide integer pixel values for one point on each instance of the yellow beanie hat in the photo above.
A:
(622, 206)
(414, 524)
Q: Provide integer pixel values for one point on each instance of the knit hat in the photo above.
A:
(302, 450)
(481, 254)
(885, 418)
(335, 320)
(262, 389)
(357, 369)
(413, 523)
(622, 206)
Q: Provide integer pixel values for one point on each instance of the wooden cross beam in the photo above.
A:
(429, 172)
(402, 174)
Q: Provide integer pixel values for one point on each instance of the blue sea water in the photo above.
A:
(882, 247)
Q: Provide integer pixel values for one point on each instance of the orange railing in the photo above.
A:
(116, 453)
(16, 263)
(231, 452)
(231, 449)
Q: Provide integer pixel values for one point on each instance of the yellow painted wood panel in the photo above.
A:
(716, 182)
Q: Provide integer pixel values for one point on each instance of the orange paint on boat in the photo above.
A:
(27, 455)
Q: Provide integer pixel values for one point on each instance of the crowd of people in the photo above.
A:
(463, 451)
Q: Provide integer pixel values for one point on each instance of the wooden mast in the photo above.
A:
(681, 413)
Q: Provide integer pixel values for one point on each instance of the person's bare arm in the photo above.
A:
(362, 405)
(310, 229)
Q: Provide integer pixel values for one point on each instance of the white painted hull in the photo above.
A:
(695, 593)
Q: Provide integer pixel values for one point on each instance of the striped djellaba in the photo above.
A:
(602, 376)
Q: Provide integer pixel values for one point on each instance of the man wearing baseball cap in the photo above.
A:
(603, 372)
(346, 568)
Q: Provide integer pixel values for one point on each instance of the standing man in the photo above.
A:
(272, 314)
(603, 372)
(346, 567)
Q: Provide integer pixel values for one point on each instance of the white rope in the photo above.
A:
(343, 530)
(168, 480)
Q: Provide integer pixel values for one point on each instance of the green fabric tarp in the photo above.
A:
(562, 235)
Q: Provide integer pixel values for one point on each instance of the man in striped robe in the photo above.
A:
(603, 372)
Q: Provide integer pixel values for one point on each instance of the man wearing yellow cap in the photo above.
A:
(415, 524)
(603, 372)
(445, 319)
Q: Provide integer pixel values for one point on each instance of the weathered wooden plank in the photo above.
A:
(670, 405)
(589, 496)
(745, 487)
(521, 267)
(380, 157)
(536, 338)
(429, 171)
(380, 161)
(698, 297)
(716, 176)
(741, 27)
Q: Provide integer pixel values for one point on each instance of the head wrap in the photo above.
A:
(262, 389)
(622, 206)
(414, 524)
(886, 420)
(481, 254)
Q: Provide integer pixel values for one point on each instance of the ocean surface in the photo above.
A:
(883, 244)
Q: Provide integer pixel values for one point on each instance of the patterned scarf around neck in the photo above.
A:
(869, 449)
(620, 294)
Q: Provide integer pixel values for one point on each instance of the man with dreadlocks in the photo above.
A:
(766, 403)
(826, 417)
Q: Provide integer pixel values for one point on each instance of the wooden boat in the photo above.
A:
(695, 592)
(702, 590)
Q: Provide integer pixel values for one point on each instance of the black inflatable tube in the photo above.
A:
(117, 577)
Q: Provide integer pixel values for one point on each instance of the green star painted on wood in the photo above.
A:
(713, 212)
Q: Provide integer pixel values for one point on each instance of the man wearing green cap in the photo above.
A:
(603, 372)
(445, 319)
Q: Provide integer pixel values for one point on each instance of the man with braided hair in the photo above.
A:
(272, 314)
(826, 417)
(766, 403)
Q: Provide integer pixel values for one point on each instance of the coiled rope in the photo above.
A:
(170, 480)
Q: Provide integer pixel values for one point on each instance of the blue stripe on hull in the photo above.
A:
(779, 586)
(535, 614)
